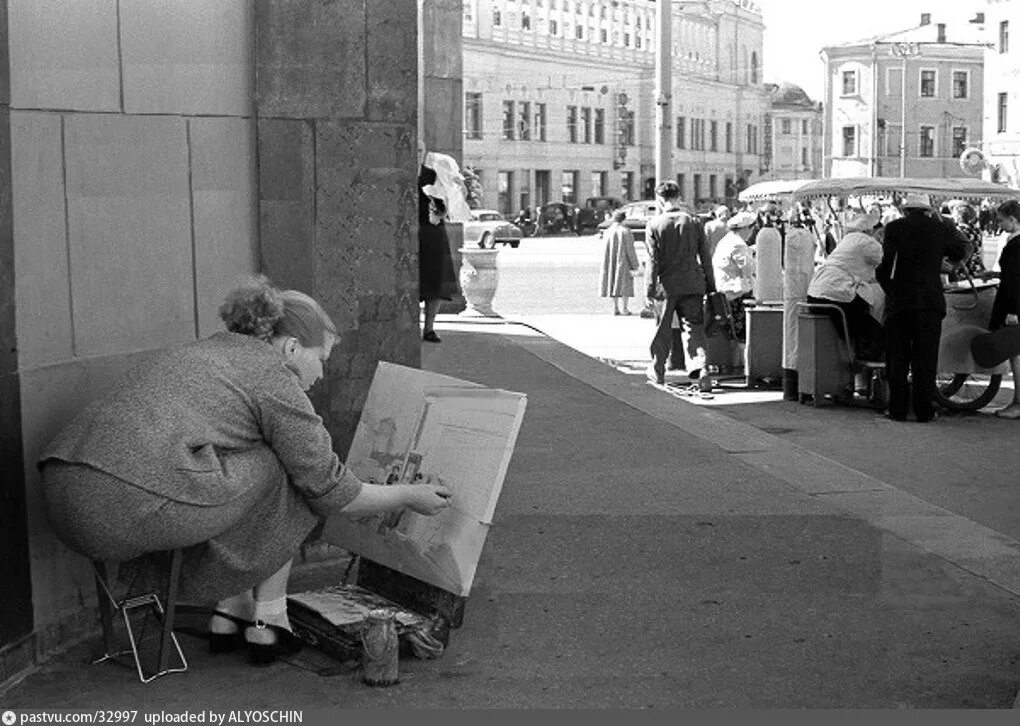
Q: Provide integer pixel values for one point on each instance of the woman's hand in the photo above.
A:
(428, 498)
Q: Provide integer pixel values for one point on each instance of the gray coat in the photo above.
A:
(618, 261)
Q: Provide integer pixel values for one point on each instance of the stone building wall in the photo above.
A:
(143, 173)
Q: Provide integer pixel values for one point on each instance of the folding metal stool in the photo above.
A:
(149, 600)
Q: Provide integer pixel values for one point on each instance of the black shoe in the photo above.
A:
(227, 642)
(431, 337)
(262, 654)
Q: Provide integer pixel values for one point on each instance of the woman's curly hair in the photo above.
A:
(262, 311)
(254, 309)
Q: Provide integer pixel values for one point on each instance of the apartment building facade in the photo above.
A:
(909, 100)
(1002, 92)
(559, 99)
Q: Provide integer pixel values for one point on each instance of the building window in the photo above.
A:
(524, 121)
(786, 127)
(568, 187)
(959, 140)
(928, 84)
(627, 185)
(586, 125)
(713, 137)
(893, 81)
(542, 185)
(751, 144)
(1004, 36)
(681, 181)
(497, 18)
(600, 126)
(849, 83)
(473, 115)
(803, 156)
(572, 124)
(1001, 114)
(553, 27)
(525, 21)
(926, 141)
(893, 137)
(599, 182)
(804, 127)
(712, 186)
(508, 120)
(961, 84)
(754, 66)
(729, 137)
(539, 122)
(681, 132)
(849, 141)
(505, 192)
(579, 32)
(697, 188)
(628, 128)
(603, 35)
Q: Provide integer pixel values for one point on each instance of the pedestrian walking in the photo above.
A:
(910, 274)
(680, 273)
(1006, 307)
(619, 264)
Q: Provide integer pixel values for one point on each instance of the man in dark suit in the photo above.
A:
(913, 250)
(679, 275)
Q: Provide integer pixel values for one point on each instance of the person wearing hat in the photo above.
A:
(847, 279)
(733, 266)
(913, 251)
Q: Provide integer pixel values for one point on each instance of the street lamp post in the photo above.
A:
(904, 51)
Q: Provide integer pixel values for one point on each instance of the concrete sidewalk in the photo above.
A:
(652, 553)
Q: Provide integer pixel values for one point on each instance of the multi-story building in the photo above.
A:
(907, 101)
(793, 134)
(1002, 97)
(559, 98)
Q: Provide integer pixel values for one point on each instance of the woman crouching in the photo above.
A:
(214, 447)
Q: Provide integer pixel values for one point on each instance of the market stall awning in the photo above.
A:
(773, 189)
(939, 189)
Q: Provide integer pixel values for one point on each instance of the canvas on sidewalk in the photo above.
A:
(415, 423)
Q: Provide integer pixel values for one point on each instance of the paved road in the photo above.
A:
(553, 275)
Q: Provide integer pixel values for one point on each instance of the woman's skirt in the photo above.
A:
(226, 548)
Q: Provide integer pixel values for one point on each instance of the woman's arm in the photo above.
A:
(426, 498)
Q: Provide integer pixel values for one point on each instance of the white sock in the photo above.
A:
(241, 606)
(273, 612)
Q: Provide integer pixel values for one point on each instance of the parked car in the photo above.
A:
(595, 211)
(638, 214)
(488, 228)
(555, 218)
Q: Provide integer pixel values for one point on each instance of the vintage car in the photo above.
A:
(488, 228)
(595, 211)
(555, 218)
(638, 214)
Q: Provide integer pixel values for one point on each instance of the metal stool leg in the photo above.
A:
(148, 600)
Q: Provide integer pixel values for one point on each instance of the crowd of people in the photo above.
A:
(881, 269)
